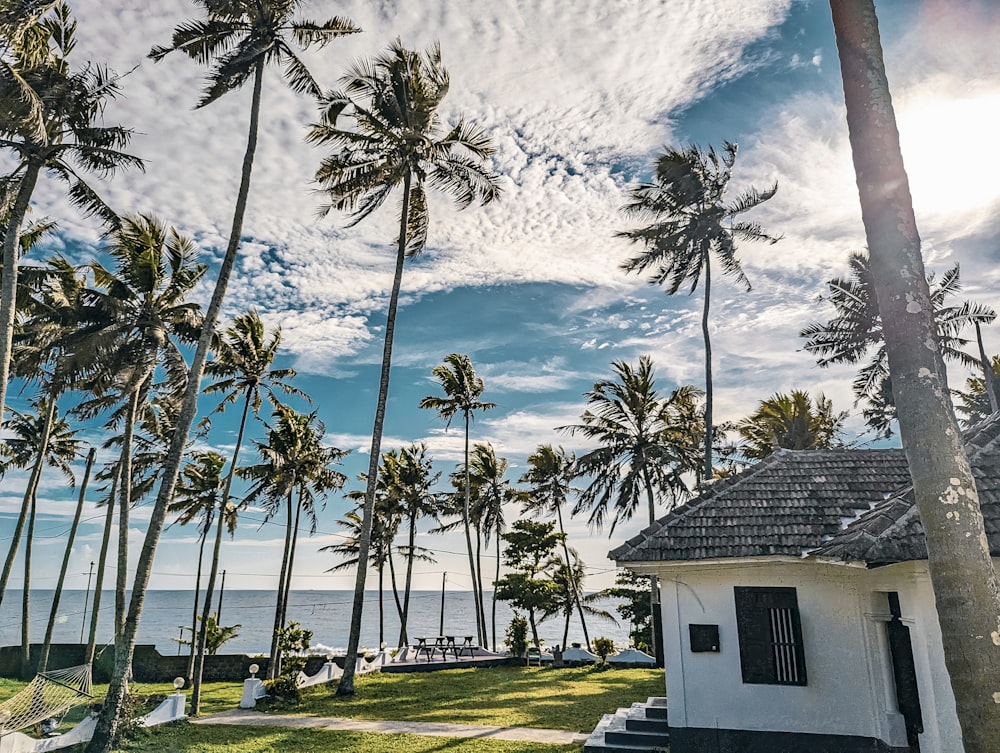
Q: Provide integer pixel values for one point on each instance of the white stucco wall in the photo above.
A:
(842, 611)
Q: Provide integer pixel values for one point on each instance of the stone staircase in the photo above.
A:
(642, 728)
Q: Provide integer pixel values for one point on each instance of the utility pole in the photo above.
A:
(218, 611)
(86, 602)
(444, 579)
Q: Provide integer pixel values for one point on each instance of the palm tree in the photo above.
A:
(43, 659)
(974, 402)
(242, 366)
(462, 389)
(691, 221)
(963, 577)
(198, 498)
(58, 132)
(569, 595)
(487, 478)
(383, 533)
(38, 440)
(294, 464)
(639, 455)
(794, 422)
(131, 327)
(411, 484)
(549, 478)
(243, 38)
(856, 330)
(397, 142)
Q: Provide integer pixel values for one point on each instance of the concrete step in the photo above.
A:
(656, 707)
(598, 742)
(638, 721)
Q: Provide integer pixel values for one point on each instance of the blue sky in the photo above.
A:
(579, 99)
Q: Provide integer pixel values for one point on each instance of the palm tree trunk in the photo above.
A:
(8, 284)
(43, 659)
(273, 666)
(394, 583)
(346, 685)
(32, 491)
(95, 610)
(479, 584)
(291, 562)
(966, 591)
(708, 370)
(480, 634)
(125, 502)
(577, 596)
(534, 629)
(111, 712)
(189, 671)
(495, 645)
(403, 639)
(381, 604)
(199, 644)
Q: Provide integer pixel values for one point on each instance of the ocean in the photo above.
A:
(167, 616)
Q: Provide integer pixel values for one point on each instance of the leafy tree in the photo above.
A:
(462, 389)
(55, 128)
(856, 330)
(242, 38)
(690, 222)
(966, 590)
(794, 422)
(293, 473)
(397, 143)
(639, 456)
(633, 589)
(549, 478)
(530, 584)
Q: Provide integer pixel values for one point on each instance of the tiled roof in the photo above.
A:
(852, 505)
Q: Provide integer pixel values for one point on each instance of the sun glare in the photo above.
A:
(948, 148)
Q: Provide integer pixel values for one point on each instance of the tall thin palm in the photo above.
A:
(198, 500)
(462, 389)
(295, 471)
(397, 142)
(242, 38)
(411, 486)
(488, 476)
(61, 132)
(550, 482)
(37, 440)
(691, 221)
(241, 367)
(856, 330)
(637, 456)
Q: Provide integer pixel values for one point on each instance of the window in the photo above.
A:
(767, 620)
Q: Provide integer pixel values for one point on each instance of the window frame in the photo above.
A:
(770, 635)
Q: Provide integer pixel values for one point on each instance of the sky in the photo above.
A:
(579, 99)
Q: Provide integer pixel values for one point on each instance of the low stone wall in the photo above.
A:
(148, 664)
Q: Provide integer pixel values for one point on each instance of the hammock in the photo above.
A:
(48, 694)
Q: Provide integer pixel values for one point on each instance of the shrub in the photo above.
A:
(604, 647)
(517, 635)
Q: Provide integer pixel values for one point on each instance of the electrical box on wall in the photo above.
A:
(704, 638)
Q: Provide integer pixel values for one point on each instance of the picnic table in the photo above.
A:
(444, 644)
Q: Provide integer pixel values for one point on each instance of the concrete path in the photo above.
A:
(252, 718)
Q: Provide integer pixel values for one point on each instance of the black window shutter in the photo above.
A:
(770, 633)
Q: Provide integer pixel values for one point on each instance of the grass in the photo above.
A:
(570, 699)
(190, 738)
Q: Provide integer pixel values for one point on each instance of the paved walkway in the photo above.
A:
(252, 718)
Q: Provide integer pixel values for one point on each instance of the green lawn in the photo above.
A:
(569, 699)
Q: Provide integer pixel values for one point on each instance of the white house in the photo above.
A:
(798, 613)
